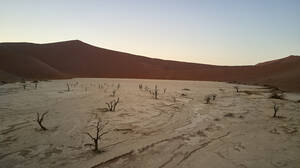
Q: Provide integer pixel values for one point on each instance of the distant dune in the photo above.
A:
(78, 59)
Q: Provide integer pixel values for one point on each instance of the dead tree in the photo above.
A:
(40, 119)
(213, 96)
(207, 99)
(24, 86)
(155, 92)
(236, 88)
(99, 133)
(68, 86)
(165, 89)
(276, 108)
(113, 93)
(174, 99)
(146, 88)
(112, 105)
(35, 84)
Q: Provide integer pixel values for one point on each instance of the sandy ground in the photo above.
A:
(235, 130)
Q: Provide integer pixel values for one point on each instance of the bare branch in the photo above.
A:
(89, 135)
(102, 134)
(40, 120)
(112, 105)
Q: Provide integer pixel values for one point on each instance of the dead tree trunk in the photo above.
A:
(276, 108)
(174, 99)
(155, 92)
(68, 86)
(236, 88)
(40, 120)
(113, 93)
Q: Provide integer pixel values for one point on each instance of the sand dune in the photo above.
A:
(77, 59)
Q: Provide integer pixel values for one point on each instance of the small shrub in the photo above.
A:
(276, 95)
(209, 97)
(229, 115)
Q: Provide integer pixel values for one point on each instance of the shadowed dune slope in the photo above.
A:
(78, 59)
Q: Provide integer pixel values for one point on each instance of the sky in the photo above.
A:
(220, 32)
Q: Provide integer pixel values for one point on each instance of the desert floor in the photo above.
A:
(176, 130)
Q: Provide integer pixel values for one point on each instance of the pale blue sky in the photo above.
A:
(222, 32)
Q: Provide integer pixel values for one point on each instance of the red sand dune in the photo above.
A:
(78, 59)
